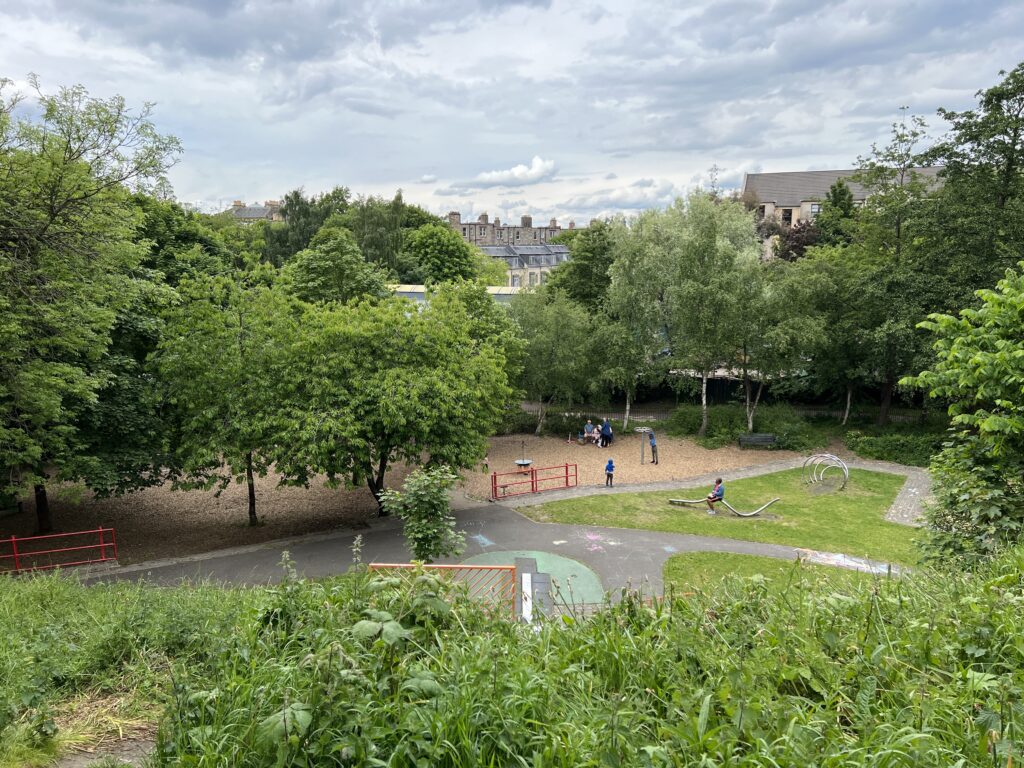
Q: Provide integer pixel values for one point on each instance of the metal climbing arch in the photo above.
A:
(818, 465)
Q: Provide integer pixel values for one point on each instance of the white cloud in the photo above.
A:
(427, 178)
(520, 175)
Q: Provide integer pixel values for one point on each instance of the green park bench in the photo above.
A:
(758, 440)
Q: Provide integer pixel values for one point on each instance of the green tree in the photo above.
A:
(221, 367)
(381, 227)
(975, 228)
(586, 276)
(425, 509)
(835, 220)
(67, 226)
(333, 269)
(979, 491)
(707, 242)
(372, 384)
(559, 362)
(303, 218)
(441, 254)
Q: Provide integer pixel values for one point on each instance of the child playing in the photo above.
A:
(716, 495)
(609, 474)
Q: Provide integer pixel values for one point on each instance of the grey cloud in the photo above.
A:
(609, 176)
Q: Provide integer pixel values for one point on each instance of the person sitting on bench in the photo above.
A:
(590, 432)
(717, 494)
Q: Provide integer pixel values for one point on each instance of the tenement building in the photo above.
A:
(796, 196)
(485, 232)
(528, 264)
(247, 214)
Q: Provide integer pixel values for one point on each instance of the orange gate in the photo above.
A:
(533, 480)
(494, 585)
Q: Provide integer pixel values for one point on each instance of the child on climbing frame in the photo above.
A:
(609, 474)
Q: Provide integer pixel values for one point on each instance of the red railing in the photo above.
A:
(24, 554)
(491, 584)
(533, 480)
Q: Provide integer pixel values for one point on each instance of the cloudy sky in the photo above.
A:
(567, 108)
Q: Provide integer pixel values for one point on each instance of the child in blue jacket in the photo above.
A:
(609, 474)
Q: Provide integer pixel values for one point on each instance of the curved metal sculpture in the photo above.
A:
(730, 507)
(816, 466)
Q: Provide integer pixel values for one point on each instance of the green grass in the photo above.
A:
(707, 570)
(850, 521)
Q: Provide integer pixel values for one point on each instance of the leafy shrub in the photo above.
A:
(727, 422)
(516, 421)
(425, 509)
(913, 449)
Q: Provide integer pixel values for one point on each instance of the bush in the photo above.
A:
(425, 509)
(727, 422)
(915, 450)
(516, 421)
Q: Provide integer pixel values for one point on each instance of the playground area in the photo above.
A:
(679, 458)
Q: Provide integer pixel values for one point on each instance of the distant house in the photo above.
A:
(528, 264)
(483, 231)
(794, 196)
(247, 214)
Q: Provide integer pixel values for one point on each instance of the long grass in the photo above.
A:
(365, 670)
(851, 521)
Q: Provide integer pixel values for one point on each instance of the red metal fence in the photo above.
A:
(40, 553)
(491, 584)
(533, 480)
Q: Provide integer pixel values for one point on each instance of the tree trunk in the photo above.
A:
(746, 392)
(375, 481)
(44, 523)
(849, 397)
(543, 413)
(625, 420)
(251, 483)
(886, 404)
(752, 408)
(703, 404)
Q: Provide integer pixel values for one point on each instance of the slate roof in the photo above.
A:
(522, 256)
(791, 188)
(253, 212)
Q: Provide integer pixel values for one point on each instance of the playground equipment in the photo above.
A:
(643, 431)
(726, 504)
(818, 465)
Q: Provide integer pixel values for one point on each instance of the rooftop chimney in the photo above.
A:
(497, 221)
(526, 221)
(238, 204)
(553, 224)
(483, 218)
(454, 218)
(572, 224)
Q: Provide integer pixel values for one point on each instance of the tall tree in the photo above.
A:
(381, 227)
(66, 248)
(221, 366)
(333, 269)
(377, 383)
(441, 254)
(559, 365)
(586, 276)
(303, 218)
(835, 220)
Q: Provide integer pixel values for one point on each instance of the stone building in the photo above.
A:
(485, 232)
(246, 214)
(528, 264)
(796, 196)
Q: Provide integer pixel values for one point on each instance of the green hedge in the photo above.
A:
(913, 449)
(727, 422)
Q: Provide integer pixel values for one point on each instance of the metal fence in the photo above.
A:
(40, 553)
(493, 585)
(533, 480)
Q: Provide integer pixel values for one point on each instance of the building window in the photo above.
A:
(517, 234)
(815, 209)
(535, 234)
(787, 216)
(498, 234)
(533, 278)
(760, 211)
(481, 231)
(463, 231)
(543, 277)
(515, 281)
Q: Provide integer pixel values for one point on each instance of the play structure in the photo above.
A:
(816, 468)
(723, 502)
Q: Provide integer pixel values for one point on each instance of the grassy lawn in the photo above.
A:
(705, 570)
(851, 521)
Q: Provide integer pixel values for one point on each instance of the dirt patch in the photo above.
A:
(678, 459)
(159, 523)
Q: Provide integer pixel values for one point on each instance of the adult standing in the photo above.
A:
(654, 448)
(606, 433)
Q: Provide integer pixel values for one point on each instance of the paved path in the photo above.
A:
(620, 557)
(906, 509)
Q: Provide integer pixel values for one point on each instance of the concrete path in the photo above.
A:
(620, 557)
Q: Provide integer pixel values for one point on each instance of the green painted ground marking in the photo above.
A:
(575, 581)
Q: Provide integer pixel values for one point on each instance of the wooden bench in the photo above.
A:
(757, 439)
